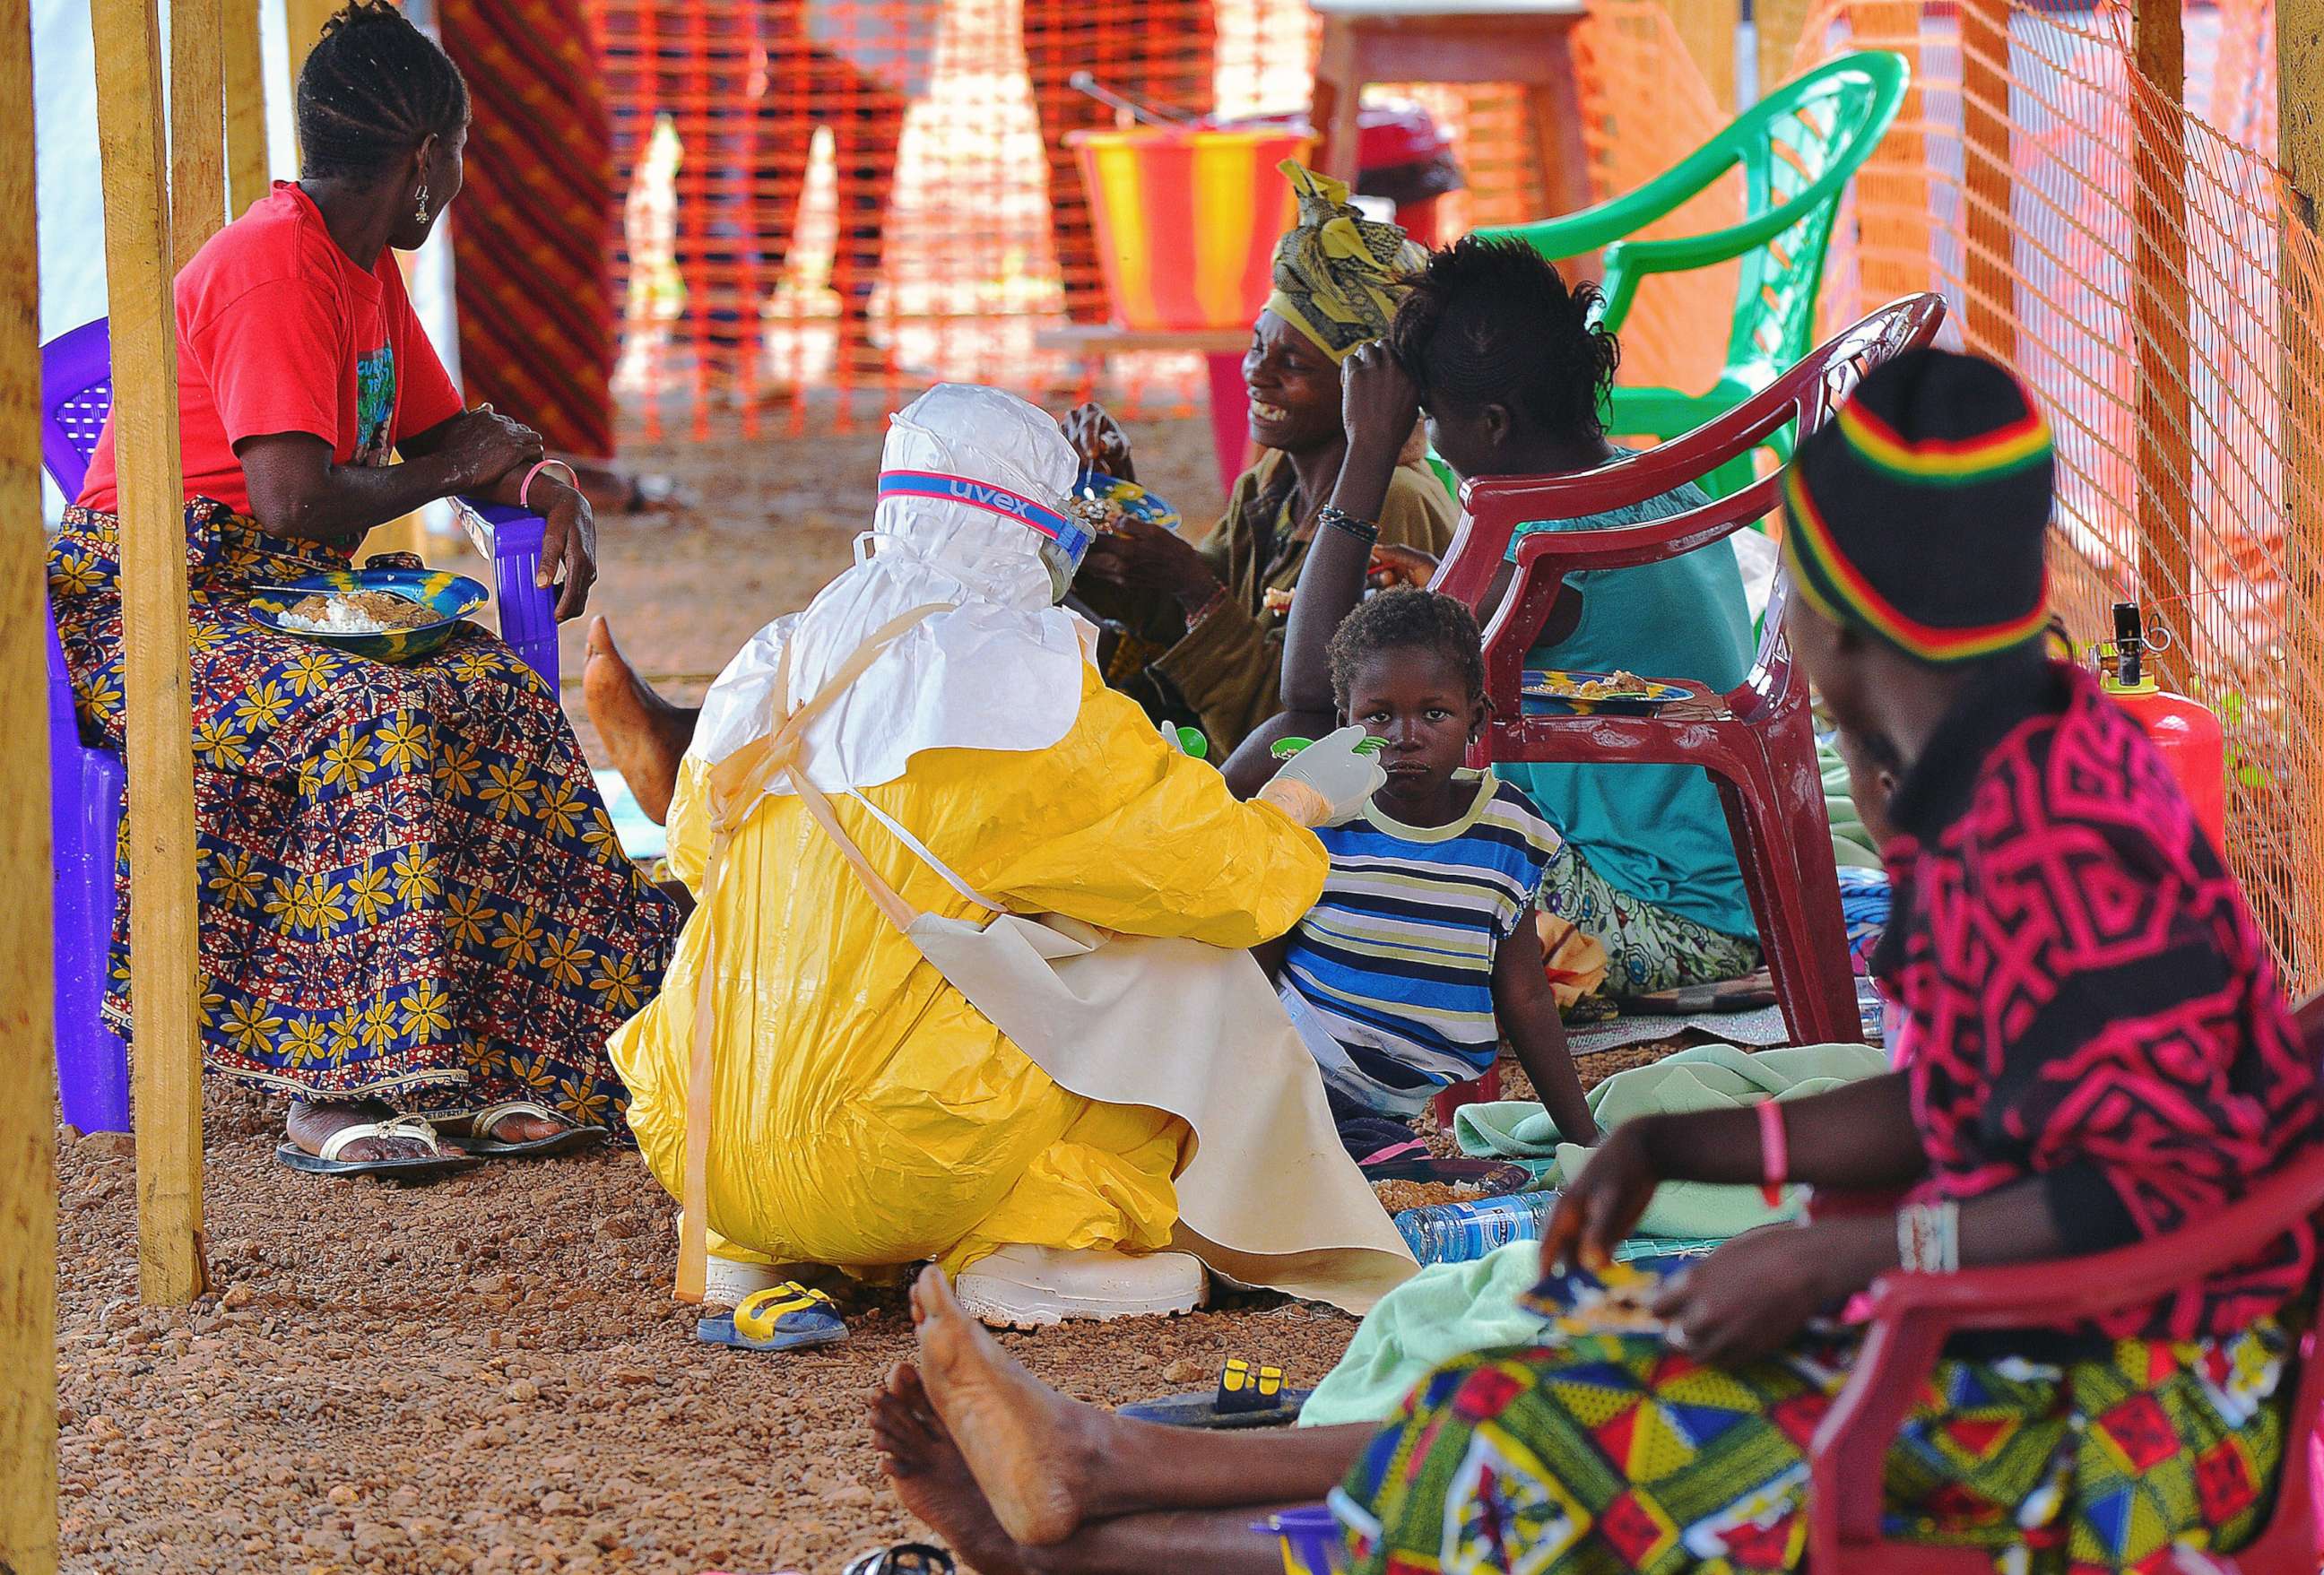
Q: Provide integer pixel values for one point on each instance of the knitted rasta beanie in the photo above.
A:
(1919, 513)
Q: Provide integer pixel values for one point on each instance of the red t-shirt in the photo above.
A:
(278, 331)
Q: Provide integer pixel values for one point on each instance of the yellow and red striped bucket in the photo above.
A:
(1186, 219)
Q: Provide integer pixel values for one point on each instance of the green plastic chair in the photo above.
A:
(1797, 149)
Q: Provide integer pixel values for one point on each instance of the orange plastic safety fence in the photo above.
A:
(828, 204)
(2133, 258)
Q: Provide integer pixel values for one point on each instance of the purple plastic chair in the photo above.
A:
(86, 780)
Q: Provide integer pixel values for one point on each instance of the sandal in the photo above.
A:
(785, 1317)
(437, 1161)
(477, 1141)
(903, 1559)
(1248, 1395)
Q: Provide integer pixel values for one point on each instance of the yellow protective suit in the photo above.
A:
(866, 1115)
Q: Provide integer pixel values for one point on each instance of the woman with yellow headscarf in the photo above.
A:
(1205, 635)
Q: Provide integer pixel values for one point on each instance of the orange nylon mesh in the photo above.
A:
(2134, 261)
(2033, 178)
(742, 126)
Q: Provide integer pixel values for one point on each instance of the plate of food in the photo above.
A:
(1619, 693)
(1125, 498)
(389, 614)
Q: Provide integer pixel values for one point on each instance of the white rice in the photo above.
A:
(340, 616)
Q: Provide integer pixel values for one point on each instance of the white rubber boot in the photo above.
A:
(728, 1281)
(1026, 1287)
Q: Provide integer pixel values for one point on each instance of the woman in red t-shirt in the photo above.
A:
(414, 909)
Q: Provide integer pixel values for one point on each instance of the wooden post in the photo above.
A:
(302, 22)
(28, 1169)
(1707, 28)
(247, 165)
(1988, 175)
(1895, 254)
(162, 976)
(2299, 150)
(197, 125)
(2159, 298)
(1781, 24)
(305, 19)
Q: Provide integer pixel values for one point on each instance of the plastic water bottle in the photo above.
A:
(1461, 1232)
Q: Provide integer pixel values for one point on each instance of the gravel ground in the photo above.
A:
(489, 1374)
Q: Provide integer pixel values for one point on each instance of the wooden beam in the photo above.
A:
(247, 165)
(197, 125)
(2300, 151)
(1895, 246)
(28, 1169)
(302, 22)
(1780, 24)
(162, 978)
(2160, 319)
(1707, 28)
(1989, 175)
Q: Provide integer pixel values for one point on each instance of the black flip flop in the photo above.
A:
(413, 1167)
(1246, 1396)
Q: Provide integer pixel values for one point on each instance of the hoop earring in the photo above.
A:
(421, 213)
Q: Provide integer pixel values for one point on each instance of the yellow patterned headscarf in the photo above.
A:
(1338, 274)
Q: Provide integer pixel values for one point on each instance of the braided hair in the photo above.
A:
(1493, 322)
(1407, 618)
(373, 88)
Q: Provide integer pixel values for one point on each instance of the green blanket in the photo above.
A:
(1850, 842)
(1448, 1309)
(1707, 1077)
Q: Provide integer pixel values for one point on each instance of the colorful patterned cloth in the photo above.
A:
(2062, 926)
(410, 889)
(1338, 275)
(1648, 948)
(535, 296)
(1863, 906)
(1610, 1453)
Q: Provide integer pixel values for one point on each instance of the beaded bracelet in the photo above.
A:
(1928, 1238)
(1339, 519)
(1775, 1154)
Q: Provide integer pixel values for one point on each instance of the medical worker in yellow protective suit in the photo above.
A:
(950, 725)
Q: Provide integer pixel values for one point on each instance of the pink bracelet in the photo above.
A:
(524, 489)
(1774, 1153)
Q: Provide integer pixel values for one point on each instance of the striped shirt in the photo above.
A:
(1390, 975)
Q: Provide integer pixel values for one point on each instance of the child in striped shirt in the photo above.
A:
(1422, 954)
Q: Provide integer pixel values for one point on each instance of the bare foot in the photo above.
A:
(645, 733)
(516, 1127)
(1033, 1451)
(934, 1481)
(311, 1126)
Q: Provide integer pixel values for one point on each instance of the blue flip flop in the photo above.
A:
(785, 1317)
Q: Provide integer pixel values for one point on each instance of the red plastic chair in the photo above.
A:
(1913, 1315)
(1757, 741)
(1480, 1090)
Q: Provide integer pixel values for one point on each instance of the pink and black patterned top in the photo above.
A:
(2086, 997)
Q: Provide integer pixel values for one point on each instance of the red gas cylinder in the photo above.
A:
(2189, 736)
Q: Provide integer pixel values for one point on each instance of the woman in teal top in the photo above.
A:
(1513, 373)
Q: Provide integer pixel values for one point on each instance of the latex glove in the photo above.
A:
(1187, 740)
(1328, 780)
